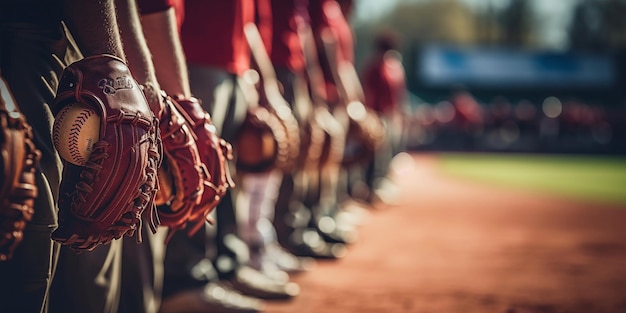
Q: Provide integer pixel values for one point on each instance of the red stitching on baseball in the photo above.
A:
(74, 133)
(56, 132)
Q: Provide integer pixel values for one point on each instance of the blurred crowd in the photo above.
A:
(464, 122)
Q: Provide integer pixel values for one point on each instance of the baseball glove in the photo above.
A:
(261, 143)
(364, 136)
(327, 144)
(106, 198)
(182, 175)
(215, 153)
(280, 109)
(18, 159)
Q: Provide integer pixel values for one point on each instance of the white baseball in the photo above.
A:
(76, 129)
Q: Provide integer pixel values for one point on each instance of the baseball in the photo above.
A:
(76, 129)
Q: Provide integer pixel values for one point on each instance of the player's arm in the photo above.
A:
(94, 27)
(161, 33)
(138, 54)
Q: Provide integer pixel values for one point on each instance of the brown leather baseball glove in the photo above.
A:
(327, 139)
(279, 108)
(215, 153)
(261, 143)
(106, 198)
(183, 173)
(18, 160)
(364, 136)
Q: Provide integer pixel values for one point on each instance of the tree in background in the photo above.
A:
(419, 22)
(516, 22)
(589, 27)
(599, 25)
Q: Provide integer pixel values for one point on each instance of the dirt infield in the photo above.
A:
(459, 246)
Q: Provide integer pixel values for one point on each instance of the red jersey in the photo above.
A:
(384, 84)
(212, 33)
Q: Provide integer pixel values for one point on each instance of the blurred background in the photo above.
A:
(506, 75)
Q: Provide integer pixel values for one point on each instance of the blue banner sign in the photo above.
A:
(491, 67)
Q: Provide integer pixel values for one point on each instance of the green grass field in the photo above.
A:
(594, 178)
